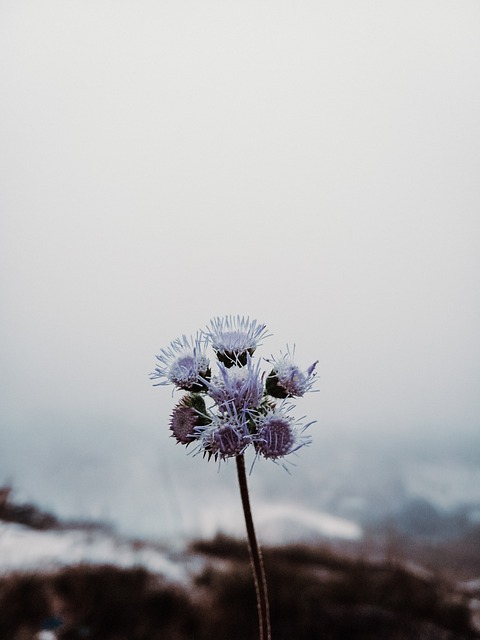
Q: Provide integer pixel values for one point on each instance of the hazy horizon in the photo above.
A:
(313, 165)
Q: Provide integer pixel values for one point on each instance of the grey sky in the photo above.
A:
(313, 164)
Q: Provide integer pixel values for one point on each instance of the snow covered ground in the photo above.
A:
(22, 548)
(26, 549)
(278, 523)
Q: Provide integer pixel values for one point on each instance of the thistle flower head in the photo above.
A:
(238, 407)
(278, 434)
(238, 387)
(183, 363)
(227, 435)
(286, 380)
(187, 416)
(234, 338)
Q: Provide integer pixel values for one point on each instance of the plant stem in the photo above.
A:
(255, 555)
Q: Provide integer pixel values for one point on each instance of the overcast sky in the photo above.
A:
(312, 164)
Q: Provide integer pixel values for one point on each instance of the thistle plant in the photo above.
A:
(237, 406)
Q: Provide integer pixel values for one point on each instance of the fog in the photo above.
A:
(314, 165)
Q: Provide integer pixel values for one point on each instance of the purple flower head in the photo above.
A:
(234, 338)
(187, 416)
(183, 363)
(286, 380)
(238, 387)
(278, 434)
(227, 436)
(240, 406)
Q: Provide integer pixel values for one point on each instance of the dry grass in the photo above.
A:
(314, 594)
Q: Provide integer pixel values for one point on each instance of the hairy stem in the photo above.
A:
(255, 555)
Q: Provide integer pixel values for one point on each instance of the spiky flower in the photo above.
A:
(187, 416)
(183, 364)
(227, 436)
(234, 338)
(238, 387)
(242, 409)
(237, 407)
(278, 435)
(287, 380)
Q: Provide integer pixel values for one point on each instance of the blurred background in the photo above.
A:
(313, 165)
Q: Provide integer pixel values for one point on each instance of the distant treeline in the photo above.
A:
(26, 514)
(31, 516)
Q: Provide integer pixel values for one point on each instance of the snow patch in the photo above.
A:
(22, 548)
(278, 523)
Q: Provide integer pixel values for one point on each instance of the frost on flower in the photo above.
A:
(286, 380)
(183, 364)
(234, 338)
(278, 434)
(241, 387)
